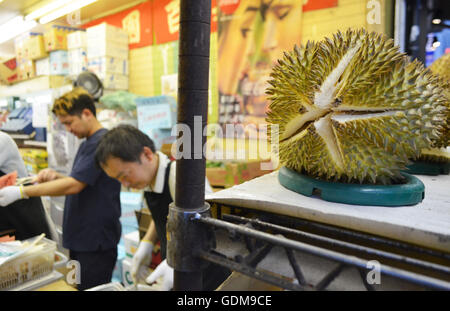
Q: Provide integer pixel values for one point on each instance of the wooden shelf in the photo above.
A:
(37, 84)
(34, 143)
(22, 136)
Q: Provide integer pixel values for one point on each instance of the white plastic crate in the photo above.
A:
(29, 266)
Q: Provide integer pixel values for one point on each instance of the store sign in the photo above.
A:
(158, 112)
(311, 5)
(166, 14)
(229, 6)
(137, 21)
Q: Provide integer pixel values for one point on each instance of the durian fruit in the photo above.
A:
(352, 108)
(439, 153)
(441, 67)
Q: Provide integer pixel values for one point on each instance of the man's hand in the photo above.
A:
(47, 175)
(143, 256)
(11, 194)
(166, 272)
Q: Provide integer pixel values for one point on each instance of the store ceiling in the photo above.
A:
(12, 8)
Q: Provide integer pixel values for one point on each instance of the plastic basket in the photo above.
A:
(30, 266)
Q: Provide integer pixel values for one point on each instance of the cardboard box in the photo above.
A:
(167, 149)
(76, 68)
(107, 64)
(107, 40)
(59, 63)
(19, 48)
(77, 39)
(55, 39)
(114, 81)
(129, 203)
(107, 33)
(43, 66)
(35, 47)
(78, 55)
(99, 48)
(78, 61)
(126, 272)
(34, 168)
(8, 71)
(141, 71)
(30, 69)
(239, 172)
(143, 218)
(35, 156)
(217, 176)
(234, 173)
(131, 243)
(26, 70)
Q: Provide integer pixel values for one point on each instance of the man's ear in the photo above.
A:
(148, 153)
(87, 113)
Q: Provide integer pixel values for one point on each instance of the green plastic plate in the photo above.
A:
(428, 168)
(409, 193)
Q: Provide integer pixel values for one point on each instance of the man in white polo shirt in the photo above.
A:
(128, 155)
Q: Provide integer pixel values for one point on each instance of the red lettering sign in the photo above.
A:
(319, 4)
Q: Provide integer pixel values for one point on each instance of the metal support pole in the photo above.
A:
(184, 236)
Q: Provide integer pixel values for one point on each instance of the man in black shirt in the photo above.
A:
(91, 225)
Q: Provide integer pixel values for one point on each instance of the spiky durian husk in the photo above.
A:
(441, 68)
(353, 108)
(438, 153)
(435, 155)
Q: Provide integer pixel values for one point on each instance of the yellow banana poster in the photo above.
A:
(252, 35)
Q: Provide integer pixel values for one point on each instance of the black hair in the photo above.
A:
(124, 142)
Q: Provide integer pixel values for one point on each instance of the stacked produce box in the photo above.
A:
(23, 46)
(77, 52)
(55, 59)
(107, 52)
(34, 159)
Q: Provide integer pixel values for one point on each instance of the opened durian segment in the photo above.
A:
(298, 123)
(307, 151)
(325, 98)
(325, 130)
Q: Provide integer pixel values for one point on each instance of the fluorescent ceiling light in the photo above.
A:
(68, 8)
(15, 27)
(46, 9)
